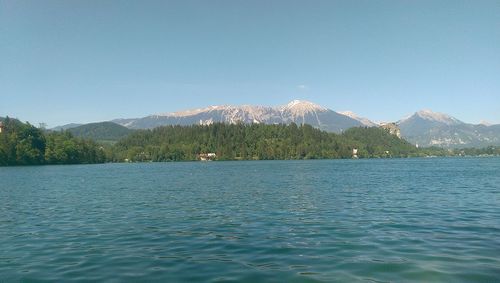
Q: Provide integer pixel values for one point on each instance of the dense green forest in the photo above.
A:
(24, 144)
(257, 142)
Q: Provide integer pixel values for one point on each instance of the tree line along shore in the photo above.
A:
(23, 144)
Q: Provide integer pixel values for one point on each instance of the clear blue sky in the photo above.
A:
(85, 61)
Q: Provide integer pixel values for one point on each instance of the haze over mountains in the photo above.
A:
(425, 128)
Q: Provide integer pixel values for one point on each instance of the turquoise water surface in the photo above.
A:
(388, 220)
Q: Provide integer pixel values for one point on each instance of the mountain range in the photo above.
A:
(297, 111)
(425, 128)
(429, 128)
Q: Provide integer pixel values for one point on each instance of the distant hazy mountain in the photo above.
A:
(427, 128)
(297, 111)
(66, 127)
(103, 131)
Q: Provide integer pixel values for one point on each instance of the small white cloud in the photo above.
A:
(302, 87)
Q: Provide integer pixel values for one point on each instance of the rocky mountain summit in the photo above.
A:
(296, 111)
(424, 127)
(427, 128)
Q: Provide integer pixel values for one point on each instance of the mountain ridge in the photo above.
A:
(424, 127)
(296, 111)
(430, 128)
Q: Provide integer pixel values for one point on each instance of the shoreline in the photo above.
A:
(257, 160)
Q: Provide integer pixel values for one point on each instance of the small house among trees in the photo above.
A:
(207, 156)
(355, 153)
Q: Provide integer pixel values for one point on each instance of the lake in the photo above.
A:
(377, 220)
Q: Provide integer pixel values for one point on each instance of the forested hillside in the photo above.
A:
(257, 141)
(24, 144)
(101, 132)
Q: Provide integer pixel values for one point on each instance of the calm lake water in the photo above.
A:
(399, 220)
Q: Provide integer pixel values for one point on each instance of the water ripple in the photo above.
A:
(407, 220)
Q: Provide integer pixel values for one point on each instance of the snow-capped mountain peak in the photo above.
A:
(349, 114)
(425, 127)
(301, 107)
(437, 117)
(296, 111)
